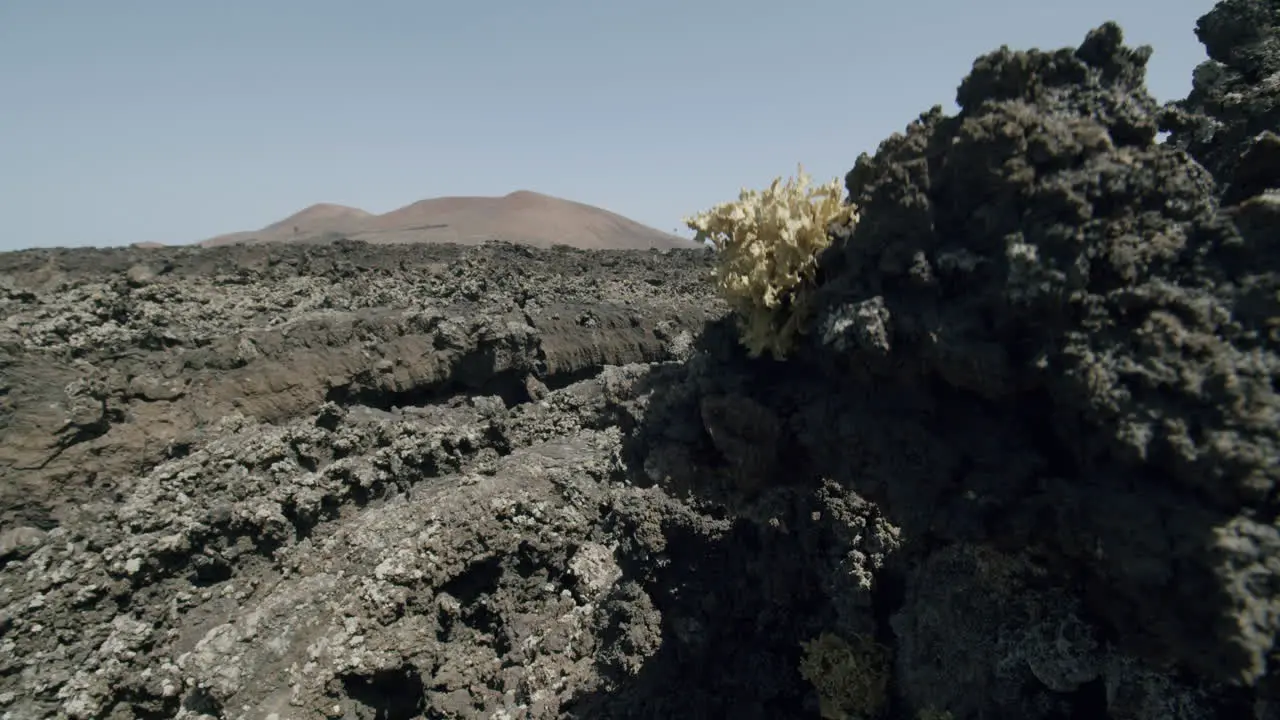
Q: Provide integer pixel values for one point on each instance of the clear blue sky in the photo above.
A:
(174, 120)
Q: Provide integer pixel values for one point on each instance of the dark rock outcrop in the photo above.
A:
(1235, 94)
(1025, 459)
(1077, 285)
(1048, 353)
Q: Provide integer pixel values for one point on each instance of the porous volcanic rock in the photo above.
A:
(1235, 94)
(1023, 464)
(117, 359)
(328, 480)
(1049, 355)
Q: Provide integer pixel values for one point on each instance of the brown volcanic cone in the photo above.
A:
(523, 217)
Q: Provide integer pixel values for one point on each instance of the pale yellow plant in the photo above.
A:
(768, 244)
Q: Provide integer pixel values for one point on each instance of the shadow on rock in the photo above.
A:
(750, 562)
(1023, 465)
(1049, 356)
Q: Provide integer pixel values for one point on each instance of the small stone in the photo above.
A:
(19, 542)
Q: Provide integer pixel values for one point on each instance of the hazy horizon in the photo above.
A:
(141, 121)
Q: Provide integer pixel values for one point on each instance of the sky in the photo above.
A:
(165, 121)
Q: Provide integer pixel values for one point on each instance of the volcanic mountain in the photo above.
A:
(521, 217)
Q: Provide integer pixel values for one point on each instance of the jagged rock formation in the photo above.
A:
(1235, 95)
(1075, 290)
(1028, 451)
(114, 360)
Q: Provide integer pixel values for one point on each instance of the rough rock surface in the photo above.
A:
(116, 359)
(1024, 466)
(1235, 97)
(1043, 258)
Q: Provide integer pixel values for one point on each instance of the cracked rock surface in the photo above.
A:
(1023, 465)
(326, 481)
(116, 359)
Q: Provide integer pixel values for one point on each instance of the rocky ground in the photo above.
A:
(1023, 466)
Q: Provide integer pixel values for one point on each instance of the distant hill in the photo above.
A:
(521, 217)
